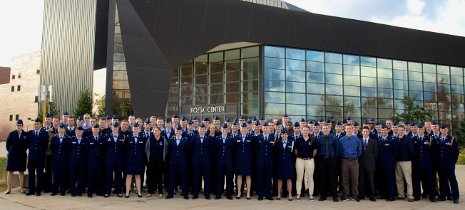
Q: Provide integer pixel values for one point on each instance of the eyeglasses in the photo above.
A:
(19, 125)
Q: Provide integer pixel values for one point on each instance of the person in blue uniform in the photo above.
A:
(285, 163)
(211, 135)
(113, 146)
(134, 152)
(201, 146)
(95, 164)
(156, 149)
(327, 150)
(387, 153)
(16, 146)
(243, 160)
(448, 155)
(224, 160)
(264, 147)
(421, 164)
(178, 150)
(58, 147)
(38, 145)
(76, 151)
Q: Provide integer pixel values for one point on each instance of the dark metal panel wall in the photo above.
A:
(184, 29)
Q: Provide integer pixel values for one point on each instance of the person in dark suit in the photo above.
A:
(367, 162)
(201, 147)
(156, 149)
(265, 143)
(16, 146)
(224, 159)
(76, 159)
(59, 160)
(387, 158)
(113, 160)
(95, 163)
(327, 150)
(134, 152)
(38, 145)
(243, 160)
(178, 150)
(285, 163)
(449, 150)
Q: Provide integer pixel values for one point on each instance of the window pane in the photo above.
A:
(400, 74)
(277, 52)
(443, 79)
(250, 52)
(232, 76)
(351, 60)
(274, 74)
(314, 111)
(456, 71)
(298, 76)
(295, 109)
(233, 98)
(351, 91)
(274, 63)
(429, 86)
(274, 97)
(315, 56)
(415, 85)
(418, 95)
(428, 77)
(401, 84)
(217, 78)
(385, 73)
(352, 80)
(443, 70)
(315, 66)
(333, 58)
(333, 89)
(295, 87)
(217, 99)
(215, 57)
(384, 83)
(273, 85)
(352, 70)
(352, 101)
(399, 94)
(232, 55)
(368, 61)
(429, 68)
(369, 102)
(412, 66)
(315, 88)
(368, 71)
(334, 79)
(429, 96)
(385, 103)
(370, 92)
(385, 93)
(456, 80)
(295, 65)
(315, 100)
(295, 54)
(368, 82)
(334, 68)
(385, 113)
(384, 63)
(334, 100)
(401, 65)
(271, 108)
(217, 88)
(294, 98)
(233, 87)
(334, 112)
(457, 89)
(201, 79)
(313, 77)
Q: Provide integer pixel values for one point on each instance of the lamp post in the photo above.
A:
(45, 95)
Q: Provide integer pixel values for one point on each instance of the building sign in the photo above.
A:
(207, 109)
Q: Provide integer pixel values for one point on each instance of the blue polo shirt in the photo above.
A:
(350, 147)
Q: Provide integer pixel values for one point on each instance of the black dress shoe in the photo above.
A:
(372, 198)
(432, 199)
(73, 194)
(207, 197)
(29, 193)
(89, 196)
(322, 199)
(126, 196)
(248, 198)
(186, 197)
(442, 199)
(456, 201)
(139, 195)
(260, 198)
(119, 195)
(106, 195)
(168, 197)
(195, 197)
(62, 194)
(38, 194)
(217, 197)
(79, 194)
(53, 194)
(335, 199)
(229, 197)
(357, 199)
(269, 198)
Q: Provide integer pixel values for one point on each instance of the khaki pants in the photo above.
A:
(307, 166)
(349, 173)
(404, 170)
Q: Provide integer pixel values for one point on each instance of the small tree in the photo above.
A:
(51, 109)
(460, 134)
(413, 112)
(84, 103)
(99, 105)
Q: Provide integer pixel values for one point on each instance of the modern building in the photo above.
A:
(268, 58)
(4, 75)
(20, 93)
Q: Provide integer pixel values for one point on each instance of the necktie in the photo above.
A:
(37, 133)
(224, 140)
(115, 138)
(61, 139)
(365, 144)
(79, 141)
(201, 140)
(177, 141)
(284, 144)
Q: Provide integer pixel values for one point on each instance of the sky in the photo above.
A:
(21, 20)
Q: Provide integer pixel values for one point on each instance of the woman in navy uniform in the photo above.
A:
(201, 147)
(178, 149)
(38, 145)
(59, 160)
(224, 151)
(76, 151)
(95, 164)
(243, 153)
(113, 160)
(285, 163)
(156, 149)
(16, 146)
(134, 150)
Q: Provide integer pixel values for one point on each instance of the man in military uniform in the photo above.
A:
(448, 155)
(178, 148)
(201, 146)
(76, 149)
(264, 145)
(95, 173)
(387, 151)
(38, 145)
(224, 160)
(422, 165)
(113, 160)
(59, 160)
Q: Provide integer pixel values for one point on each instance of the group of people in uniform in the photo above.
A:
(273, 159)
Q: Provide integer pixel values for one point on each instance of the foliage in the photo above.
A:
(460, 135)
(2, 174)
(51, 109)
(461, 160)
(84, 103)
(99, 105)
(413, 112)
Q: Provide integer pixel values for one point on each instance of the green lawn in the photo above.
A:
(461, 159)
(2, 174)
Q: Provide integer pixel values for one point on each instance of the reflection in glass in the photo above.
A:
(368, 71)
(315, 88)
(384, 63)
(277, 52)
(298, 76)
(333, 68)
(315, 66)
(313, 77)
(315, 56)
(333, 58)
(295, 87)
(333, 89)
(295, 65)
(368, 61)
(353, 60)
(272, 85)
(295, 54)
(295, 98)
(352, 70)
